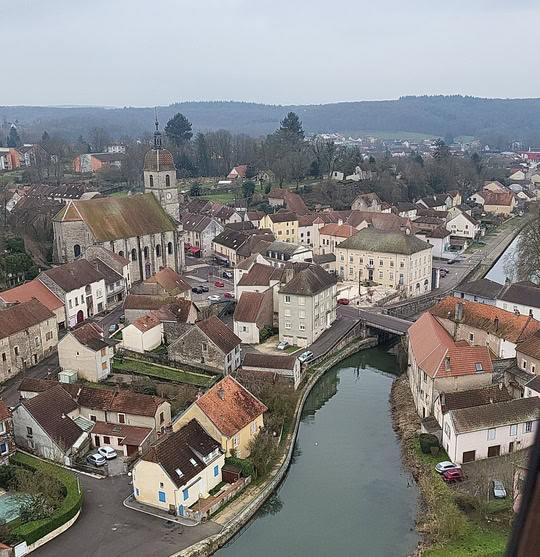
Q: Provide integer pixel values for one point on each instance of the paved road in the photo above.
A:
(106, 528)
(338, 328)
(113, 317)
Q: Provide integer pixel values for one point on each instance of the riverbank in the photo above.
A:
(448, 530)
(242, 509)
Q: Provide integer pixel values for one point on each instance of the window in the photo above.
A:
(287, 324)
(253, 428)
(533, 368)
(121, 253)
(216, 470)
(4, 357)
(471, 337)
(2, 427)
(169, 248)
(161, 496)
(245, 329)
(103, 365)
(93, 418)
(167, 180)
(447, 430)
(146, 252)
(204, 347)
(361, 260)
(235, 441)
(37, 341)
(424, 377)
(391, 263)
(524, 364)
(16, 350)
(287, 299)
(29, 431)
(381, 262)
(527, 427)
(77, 300)
(137, 491)
(302, 327)
(151, 181)
(133, 254)
(301, 314)
(99, 293)
(371, 262)
(401, 264)
(491, 434)
(513, 430)
(391, 276)
(3, 448)
(301, 301)
(106, 440)
(158, 250)
(479, 366)
(121, 418)
(380, 274)
(287, 313)
(351, 259)
(228, 358)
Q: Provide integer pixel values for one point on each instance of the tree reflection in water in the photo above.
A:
(272, 506)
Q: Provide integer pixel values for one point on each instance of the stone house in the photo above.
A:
(115, 261)
(253, 312)
(286, 366)
(520, 297)
(208, 342)
(499, 203)
(227, 244)
(85, 350)
(438, 364)
(115, 286)
(80, 286)
(7, 444)
(229, 413)
(306, 229)
(307, 305)
(28, 333)
(179, 471)
(332, 235)
(135, 227)
(171, 284)
(199, 231)
(528, 354)
(484, 325)
(367, 202)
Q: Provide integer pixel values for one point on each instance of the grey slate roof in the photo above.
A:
(484, 287)
(534, 384)
(230, 238)
(71, 276)
(475, 397)
(383, 241)
(286, 248)
(309, 282)
(524, 292)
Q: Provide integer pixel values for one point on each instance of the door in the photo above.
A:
(131, 450)
(80, 316)
(181, 510)
(370, 274)
(494, 451)
(97, 441)
(469, 456)
(511, 447)
(147, 270)
(328, 319)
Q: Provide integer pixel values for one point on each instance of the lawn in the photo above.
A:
(291, 349)
(163, 372)
(223, 196)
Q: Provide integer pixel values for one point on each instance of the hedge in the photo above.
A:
(427, 442)
(31, 532)
(245, 465)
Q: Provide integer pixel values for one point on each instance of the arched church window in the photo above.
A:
(146, 252)
(169, 248)
(151, 181)
(133, 254)
(76, 250)
(167, 180)
(158, 250)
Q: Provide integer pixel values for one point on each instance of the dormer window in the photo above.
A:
(479, 366)
(193, 461)
(447, 363)
(179, 472)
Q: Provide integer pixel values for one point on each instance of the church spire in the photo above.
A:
(157, 134)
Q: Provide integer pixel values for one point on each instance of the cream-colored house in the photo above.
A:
(179, 471)
(253, 312)
(331, 235)
(284, 226)
(499, 203)
(395, 259)
(144, 334)
(229, 413)
(86, 351)
(464, 226)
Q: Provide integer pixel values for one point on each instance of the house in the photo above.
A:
(520, 297)
(230, 215)
(253, 312)
(36, 289)
(225, 245)
(94, 162)
(49, 425)
(229, 413)
(179, 471)
(406, 209)
(499, 203)
(292, 202)
(208, 342)
(494, 186)
(283, 225)
(115, 285)
(144, 334)
(305, 229)
(484, 325)
(7, 444)
(439, 238)
(517, 175)
(307, 305)
(255, 217)
(133, 226)
(326, 261)
(440, 202)
(483, 291)
(528, 355)
(126, 440)
(85, 351)
(427, 224)
(80, 286)
(456, 197)
(115, 261)
(199, 231)
(439, 364)
(286, 366)
(331, 235)
(278, 253)
(137, 305)
(171, 283)
(395, 259)
(464, 226)
(490, 430)
(28, 333)
(367, 202)
(238, 172)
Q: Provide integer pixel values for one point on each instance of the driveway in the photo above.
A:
(106, 528)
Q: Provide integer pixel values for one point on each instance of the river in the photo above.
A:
(346, 492)
(497, 273)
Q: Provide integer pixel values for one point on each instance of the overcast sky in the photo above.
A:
(156, 52)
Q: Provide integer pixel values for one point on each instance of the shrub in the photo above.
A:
(245, 465)
(266, 332)
(8, 477)
(427, 440)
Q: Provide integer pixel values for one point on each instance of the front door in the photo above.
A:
(147, 270)
(97, 442)
(80, 316)
(370, 274)
(469, 456)
(494, 451)
(511, 447)
(181, 510)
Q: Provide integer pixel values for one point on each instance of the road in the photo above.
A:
(106, 528)
(112, 317)
(338, 328)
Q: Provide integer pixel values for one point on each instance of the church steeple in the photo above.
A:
(157, 136)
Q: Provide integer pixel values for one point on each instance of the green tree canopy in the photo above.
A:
(290, 129)
(178, 129)
(13, 139)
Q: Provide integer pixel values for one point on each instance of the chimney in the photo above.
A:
(63, 416)
(496, 324)
(221, 393)
(459, 311)
(491, 400)
(289, 274)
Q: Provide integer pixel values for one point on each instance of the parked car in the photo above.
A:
(343, 301)
(442, 273)
(214, 298)
(305, 357)
(96, 459)
(219, 284)
(107, 452)
(204, 288)
(112, 328)
(228, 295)
(444, 270)
(453, 475)
(197, 289)
(282, 345)
(499, 492)
(122, 318)
(228, 275)
(446, 465)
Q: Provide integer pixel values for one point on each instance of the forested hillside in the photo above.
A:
(494, 121)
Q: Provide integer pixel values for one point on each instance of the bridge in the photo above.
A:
(380, 321)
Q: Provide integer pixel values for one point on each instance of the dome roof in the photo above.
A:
(166, 160)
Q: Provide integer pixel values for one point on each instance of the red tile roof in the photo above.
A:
(33, 289)
(143, 301)
(147, 322)
(343, 230)
(230, 406)
(5, 412)
(130, 435)
(170, 281)
(498, 198)
(259, 275)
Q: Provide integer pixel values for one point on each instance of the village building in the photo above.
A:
(522, 298)
(290, 201)
(483, 291)
(464, 226)
(305, 229)
(406, 209)
(498, 203)
(367, 202)
(137, 305)
(441, 202)
(170, 283)
(253, 312)
(238, 172)
(229, 413)
(7, 443)
(439, 238)
(94, 162)
(331, 235)
(199, 232)
(285, 366)
(283, 225)
(278, 253)
(114, 261)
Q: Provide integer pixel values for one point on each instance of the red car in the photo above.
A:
(219, 284)
(228, 295)
(452, 476)
(343, 301)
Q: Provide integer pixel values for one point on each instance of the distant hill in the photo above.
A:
(494, 120)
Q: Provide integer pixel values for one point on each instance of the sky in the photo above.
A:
(157, 52)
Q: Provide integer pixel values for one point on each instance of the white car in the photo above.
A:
(214, 298)
(107, 452)
(305, 356)
(499, 492)
(446, 465)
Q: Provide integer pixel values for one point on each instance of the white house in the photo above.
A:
(521, 298)
(464, 226)
(439, 238)
(489, 430)
(144, 334)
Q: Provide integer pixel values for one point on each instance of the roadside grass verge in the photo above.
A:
(172, 374)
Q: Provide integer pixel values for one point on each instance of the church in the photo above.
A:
(143, 228)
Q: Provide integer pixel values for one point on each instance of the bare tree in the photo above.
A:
(99, 139)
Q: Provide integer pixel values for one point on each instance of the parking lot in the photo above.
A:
(207, 276)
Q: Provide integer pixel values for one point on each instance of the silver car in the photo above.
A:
(446, 465)
(305, 356)
(96, 459)
(499, 492)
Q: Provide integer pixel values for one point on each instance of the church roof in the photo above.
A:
(115, 218)
(165, 160)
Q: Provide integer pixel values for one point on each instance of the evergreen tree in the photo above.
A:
(290, 129)
(449, 139)
(178, 129)
(45, 136)
(13, 139)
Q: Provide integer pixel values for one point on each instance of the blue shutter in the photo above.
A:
(186, 494)
(3, 448)
(161, 495)
(216, 470)
(137, 491)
